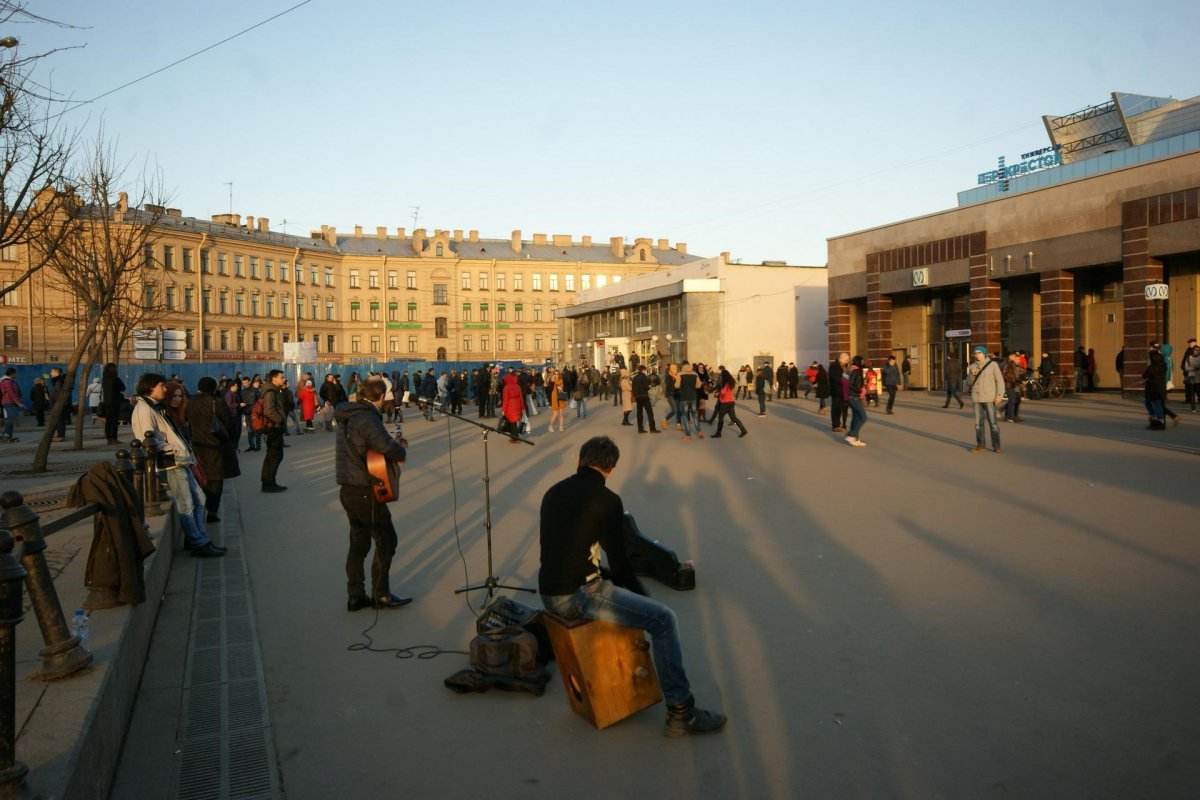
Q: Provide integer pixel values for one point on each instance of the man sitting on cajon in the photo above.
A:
(579, 517)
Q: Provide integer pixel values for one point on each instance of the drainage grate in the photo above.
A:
(225, 741)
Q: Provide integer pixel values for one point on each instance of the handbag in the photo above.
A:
(574, 404)
(562, 395)
(198, 473)
(217, 428)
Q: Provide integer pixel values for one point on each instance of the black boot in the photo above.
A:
(625, 419)
(684, 719)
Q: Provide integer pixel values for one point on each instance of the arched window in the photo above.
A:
(441, 354)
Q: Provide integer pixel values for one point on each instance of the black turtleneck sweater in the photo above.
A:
(580, 516)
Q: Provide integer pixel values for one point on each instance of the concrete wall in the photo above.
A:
(775, 311)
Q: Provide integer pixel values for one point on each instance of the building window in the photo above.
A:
(11, 336)
(187, 259)
(440, 295)
(283, 271)
(412, 344)
(393, 279)
(329, 276)
(189, 297)
(287, 337)
(206, 340)
(300, 309)
(537, 281)
(500, 312)
(585, 282)
(466, 344)
(484, 344)
(393, 344)
(354, 316)
(148, 255)
(272, 340)
(537, 312)
(237, 266)
(393, 312)
(466, 315)
(316, 308)
(256, 341)
(223, 302)
(520, 341)
(616, 278)
(206, 301)
(353, 279)
(499, 281)
(169, 298)
(239, 304)
(412, 312)
(374, 309)
(501, 343)
(373, 279)
(254, 307)
(270, 307)
(222, 264)
(269, 268)
(483, 312)
(329, 309)
(168, 257)
(254, 267)
(569, 282)
(601, 281)
(519, 312)
(355, 344)
(285, 304)
(466, 280)
(483, 281)
(554, 344)
(537, 343)
(439, 327)
(374, 344)
(518, 281)
(329, 343)
(411, 280)
(313, 275)
(224, 340)
(204, 267)
(553, 279)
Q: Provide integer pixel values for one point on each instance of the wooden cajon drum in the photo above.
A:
(606, 668)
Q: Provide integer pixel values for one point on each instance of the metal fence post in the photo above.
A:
(63, 654)
(138, 460)
(12, 772)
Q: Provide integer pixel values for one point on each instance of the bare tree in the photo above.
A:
(103, 257)
(35, 151)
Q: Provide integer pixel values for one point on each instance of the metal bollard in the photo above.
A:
(138, 459)
(127, 471)
(12, 772)
(63, 654)
(152, 484)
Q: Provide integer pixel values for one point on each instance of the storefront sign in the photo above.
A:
(920, 277)
(963, 333)
(12, 359)
(1041, 159)
(1157, 291)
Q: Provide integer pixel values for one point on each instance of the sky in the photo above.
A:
(758, 129)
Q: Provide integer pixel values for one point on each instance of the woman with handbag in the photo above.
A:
(558, 398)
(212, 442)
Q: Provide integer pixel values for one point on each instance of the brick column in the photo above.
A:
(1140, 270)
(985, 295)
(879, 316)
(1058, 320)
(839, 328)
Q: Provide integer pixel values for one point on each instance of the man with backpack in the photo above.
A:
(987, 393)
(268, 414)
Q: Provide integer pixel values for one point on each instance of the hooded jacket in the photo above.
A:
(360, 428)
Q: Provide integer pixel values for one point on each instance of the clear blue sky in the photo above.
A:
(756, 128)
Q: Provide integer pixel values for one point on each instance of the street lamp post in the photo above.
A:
(242, 345)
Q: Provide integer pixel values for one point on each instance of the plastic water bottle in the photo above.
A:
(79, 626)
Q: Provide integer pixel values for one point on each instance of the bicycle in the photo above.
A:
(1036, 388)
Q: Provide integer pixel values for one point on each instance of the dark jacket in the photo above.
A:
(112, 393)
(429, 389)
(890, 376)
(120, 542)
(211, 449)
(822, 383)
(641, 385)
(361, 428)
(836, 389)
(273, 405)
(576, 514)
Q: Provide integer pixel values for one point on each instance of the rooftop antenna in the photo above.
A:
(416, 214)
(285, 227)
(230, 185)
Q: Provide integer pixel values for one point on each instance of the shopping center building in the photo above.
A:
(1047, 254)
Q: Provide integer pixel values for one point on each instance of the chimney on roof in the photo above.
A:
(401, 234)
(123, 202)
(681, 248)
(616, 245)
(473, 236)
(562, 240)
(539, 238)
(587, 241)
(249, 223)
(358, 231)
(725, 256)
(264, 225)
(516, 241)
(174, 212)
(418, 240)
(458, 235)
(331, 235)
(664, 244)
(380, 232)
(153, 209)
(235, 220)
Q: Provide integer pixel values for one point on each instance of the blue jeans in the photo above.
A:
(189, 504)
(11, 410)
(1155, 409)
(673, 404)
(858, 417)
(581, 404)
(987, 410)
(600, 599)
(687, 415)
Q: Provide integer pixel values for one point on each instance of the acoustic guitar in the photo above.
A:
(385, 474)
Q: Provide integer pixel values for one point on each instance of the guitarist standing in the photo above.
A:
(361, 430)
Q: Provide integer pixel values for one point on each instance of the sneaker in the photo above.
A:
(687, 438)
(685, 719)
(977, 449)
(858, 443)
(997, 449)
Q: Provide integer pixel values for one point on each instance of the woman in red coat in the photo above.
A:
(307, 397)
(512, 404)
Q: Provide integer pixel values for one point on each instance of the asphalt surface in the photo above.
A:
(909, 619)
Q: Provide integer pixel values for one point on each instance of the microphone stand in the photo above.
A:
(491, 583)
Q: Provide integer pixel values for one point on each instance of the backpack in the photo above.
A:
(258, 420)
(509, 651)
